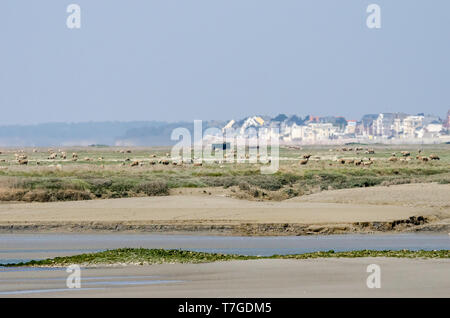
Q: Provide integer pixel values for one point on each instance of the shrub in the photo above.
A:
(153, 188)
(41, 195)
(122, 185)
(225, 182)
(271, 183)
(255, 193)
(11, 194)
(71, 195)
(244, 186)
(291, 192)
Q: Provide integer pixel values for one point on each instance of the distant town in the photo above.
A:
(383, 128)
(386, 128)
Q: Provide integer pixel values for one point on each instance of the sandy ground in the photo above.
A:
(379, 204)
(427, 195)
(260, 278)
(212, 208)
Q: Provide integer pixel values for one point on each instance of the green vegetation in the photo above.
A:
(143, 256)
(135, 256)
(105, 172)
(371, 253)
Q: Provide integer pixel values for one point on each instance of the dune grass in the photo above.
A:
(141, 256)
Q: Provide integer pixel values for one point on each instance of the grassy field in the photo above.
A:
(141, 256)
(107, 172)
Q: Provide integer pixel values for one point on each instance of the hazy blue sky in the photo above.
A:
(218, 59)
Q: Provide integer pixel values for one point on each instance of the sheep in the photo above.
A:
(307, 156)
(434, 157)
(303, 161)
(23, 161)
(405, 153)
(134, 163)
(393, 159)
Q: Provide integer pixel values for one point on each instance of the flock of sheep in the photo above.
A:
(404, 156)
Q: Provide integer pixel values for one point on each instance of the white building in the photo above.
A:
(410, 126)
(351, 127)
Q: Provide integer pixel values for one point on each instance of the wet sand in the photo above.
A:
(260, 278)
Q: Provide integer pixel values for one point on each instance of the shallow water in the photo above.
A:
(22, 247)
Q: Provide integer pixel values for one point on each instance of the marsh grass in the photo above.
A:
(141, 256)
(112, 177)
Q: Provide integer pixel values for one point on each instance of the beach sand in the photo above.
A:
(338, 211)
